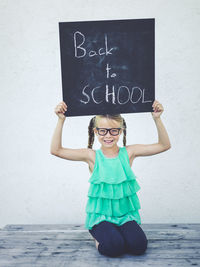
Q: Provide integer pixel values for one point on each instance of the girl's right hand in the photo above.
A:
(60, 110)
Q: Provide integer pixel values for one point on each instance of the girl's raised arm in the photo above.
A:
(83, 154)
(163, 143)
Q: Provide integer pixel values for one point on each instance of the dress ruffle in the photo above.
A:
(114, 191)
(113, 207)
(95, 218)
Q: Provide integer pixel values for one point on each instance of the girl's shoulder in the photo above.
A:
(91, 154)
(129, 148)
(92, 158)
(129, 151)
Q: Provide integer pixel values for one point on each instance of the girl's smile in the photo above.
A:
(108, 141)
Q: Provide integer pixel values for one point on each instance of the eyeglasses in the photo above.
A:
(104, 131)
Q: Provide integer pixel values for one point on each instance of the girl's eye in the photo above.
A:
(102, 131)
(114, 131)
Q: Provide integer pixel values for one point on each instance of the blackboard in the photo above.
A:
(108, 66)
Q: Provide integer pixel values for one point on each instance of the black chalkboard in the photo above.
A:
(108, 66)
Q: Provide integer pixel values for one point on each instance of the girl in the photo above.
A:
(112, 208)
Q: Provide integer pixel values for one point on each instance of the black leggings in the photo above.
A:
(116, 240)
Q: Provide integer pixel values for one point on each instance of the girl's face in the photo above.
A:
(108, 140)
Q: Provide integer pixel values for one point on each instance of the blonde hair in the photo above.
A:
(93, 123)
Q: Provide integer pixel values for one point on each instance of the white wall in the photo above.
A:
(37, 187)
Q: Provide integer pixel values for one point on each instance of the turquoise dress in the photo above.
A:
(112, 193)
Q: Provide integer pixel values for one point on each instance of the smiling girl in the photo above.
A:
(112, 210)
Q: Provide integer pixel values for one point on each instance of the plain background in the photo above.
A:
(37, 187)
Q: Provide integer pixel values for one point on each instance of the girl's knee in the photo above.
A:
(112, 248)
(139, 247)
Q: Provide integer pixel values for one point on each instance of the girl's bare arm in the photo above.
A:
(163, 143)
(83, 154)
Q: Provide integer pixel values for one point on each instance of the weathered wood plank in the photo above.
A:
(41, 227)
(37, 227)
(82, 234)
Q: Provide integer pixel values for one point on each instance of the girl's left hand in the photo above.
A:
(158, 109)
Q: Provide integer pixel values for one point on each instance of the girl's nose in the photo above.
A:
(108, 133)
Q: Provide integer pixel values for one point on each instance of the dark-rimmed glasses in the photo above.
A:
(104, 131)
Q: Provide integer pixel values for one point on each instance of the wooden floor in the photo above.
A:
(72, 245)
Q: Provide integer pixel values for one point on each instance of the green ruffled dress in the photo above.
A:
(112, 193)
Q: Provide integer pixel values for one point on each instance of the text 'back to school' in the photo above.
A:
(108, 93)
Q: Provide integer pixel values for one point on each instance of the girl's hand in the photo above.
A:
(158, 109)
(60, 110)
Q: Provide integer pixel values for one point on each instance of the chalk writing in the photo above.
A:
(78, 47)
(115, 93)
(134, 92)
